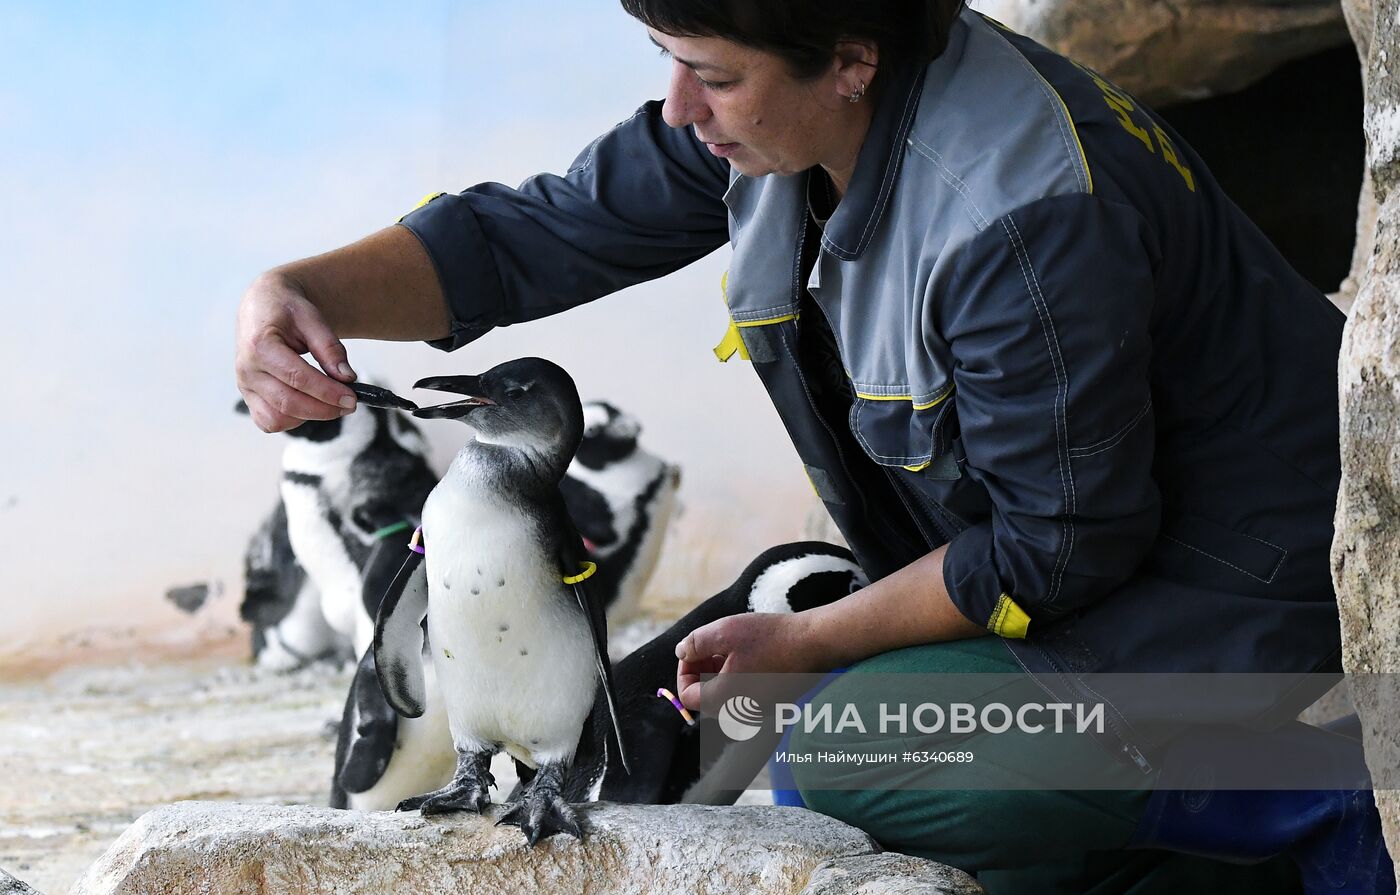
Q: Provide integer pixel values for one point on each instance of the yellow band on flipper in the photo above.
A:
(588, 570)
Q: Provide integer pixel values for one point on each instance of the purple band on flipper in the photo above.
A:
(680, 707)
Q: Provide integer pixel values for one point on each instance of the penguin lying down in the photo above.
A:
(518, 646)
(665, 749)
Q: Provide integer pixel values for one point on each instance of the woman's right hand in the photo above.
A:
(276, 325)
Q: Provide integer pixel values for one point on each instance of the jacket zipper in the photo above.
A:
(898, 487)
(1121, 738)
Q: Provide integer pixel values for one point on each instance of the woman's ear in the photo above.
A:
(856, 64)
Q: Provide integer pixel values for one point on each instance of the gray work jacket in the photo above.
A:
(1075, 361)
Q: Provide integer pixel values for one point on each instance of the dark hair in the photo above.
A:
(804, 33)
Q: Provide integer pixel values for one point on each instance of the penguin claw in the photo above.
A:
(412, 803)
(541, 817)
(468, 798)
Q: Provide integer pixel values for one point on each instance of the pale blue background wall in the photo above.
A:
(155, 156)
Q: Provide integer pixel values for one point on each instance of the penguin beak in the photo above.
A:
(374, 396)
(457, 385)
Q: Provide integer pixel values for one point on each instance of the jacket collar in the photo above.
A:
(877, 166)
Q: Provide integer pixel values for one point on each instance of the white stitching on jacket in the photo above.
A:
(1052, 345)
(979, 220)
(1099, 447)
(1270, 580)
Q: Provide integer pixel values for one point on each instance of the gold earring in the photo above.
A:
(858, 93)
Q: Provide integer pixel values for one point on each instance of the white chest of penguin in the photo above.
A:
(510, 644)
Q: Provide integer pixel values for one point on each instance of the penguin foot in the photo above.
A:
(470, 789)
(472, 797)
(540, 815)
(472, 794)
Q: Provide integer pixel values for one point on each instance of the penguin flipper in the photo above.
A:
(572, 557)
(398, 639)
(589, 510)
(369, 730)
(380, 569)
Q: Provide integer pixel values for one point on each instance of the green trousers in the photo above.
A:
(987, 815)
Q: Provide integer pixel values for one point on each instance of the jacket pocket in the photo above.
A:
(895, 431)
(920, 446)
(1206, 549)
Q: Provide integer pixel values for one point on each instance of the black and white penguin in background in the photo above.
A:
(518, 640)
(281, 603)
(622, 498)
(664, 748)
(352, 489)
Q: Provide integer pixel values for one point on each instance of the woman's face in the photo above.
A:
(746, 107)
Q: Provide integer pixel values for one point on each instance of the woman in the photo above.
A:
(1071, 410)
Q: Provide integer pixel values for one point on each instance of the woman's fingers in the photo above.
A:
(705, 641)
(688, 678)
(276, 324)
(307, 388)
(266, 418)
(704, 651)
(322, 343)
(291, 403)
(773, 643)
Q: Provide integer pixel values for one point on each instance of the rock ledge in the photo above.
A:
(200, 847)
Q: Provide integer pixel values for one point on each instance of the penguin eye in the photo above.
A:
(514, 392)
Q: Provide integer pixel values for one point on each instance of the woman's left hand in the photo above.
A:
(760, 642)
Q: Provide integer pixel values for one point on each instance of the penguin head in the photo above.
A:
(528, 404)
(609, 435)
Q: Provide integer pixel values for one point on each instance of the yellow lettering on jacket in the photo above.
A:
(1169, 153)
(1123, 107)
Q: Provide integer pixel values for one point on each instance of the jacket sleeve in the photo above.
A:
(641, 201)
(1047, 313)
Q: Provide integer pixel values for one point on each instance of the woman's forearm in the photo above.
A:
(907, 608)
(381, 287)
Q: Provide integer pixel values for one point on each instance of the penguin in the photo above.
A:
(518, 640)
(382, 759)
(622, 498)
(666, 750)
(280, 602)
(349, 487)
